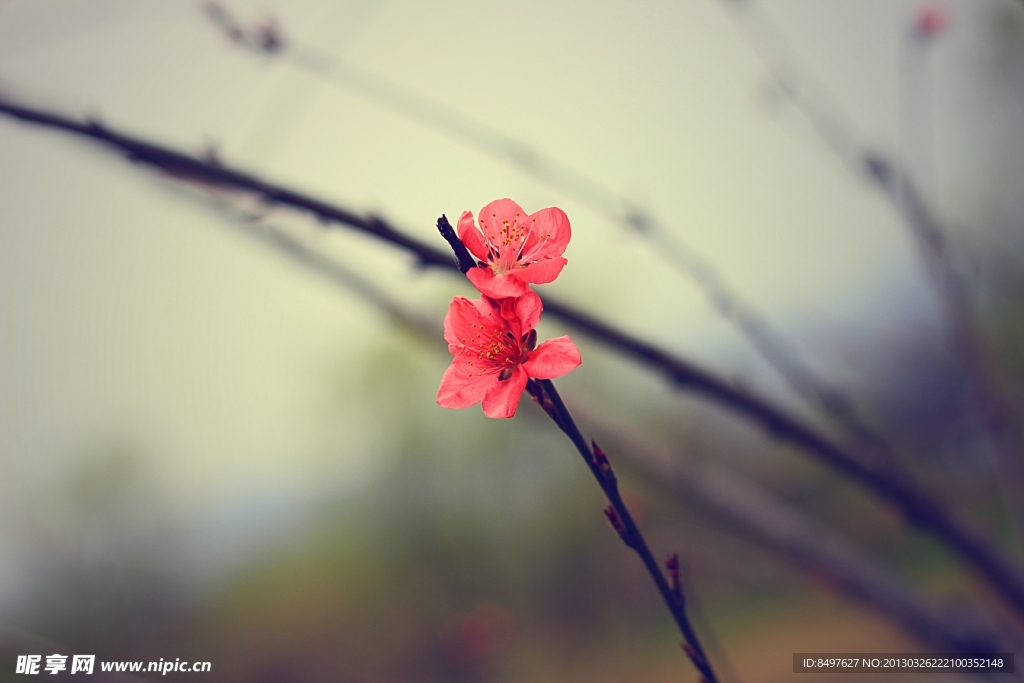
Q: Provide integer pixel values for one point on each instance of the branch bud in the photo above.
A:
(672, 565)
(615, 521)
(694, 656)
(603, 465)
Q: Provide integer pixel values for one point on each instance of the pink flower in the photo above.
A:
(514, 249)
(496, 352)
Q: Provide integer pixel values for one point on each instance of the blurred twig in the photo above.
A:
(999, 414)
(914, 503)
(252, 224)
(784, 530)
(822, 111)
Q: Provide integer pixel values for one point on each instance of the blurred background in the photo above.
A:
(219, 436)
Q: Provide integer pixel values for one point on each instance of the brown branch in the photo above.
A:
(894, 180)
(252, 225)
(462, 254)
(915, 505)
(762, 518)
(544, 392)
(997, 411)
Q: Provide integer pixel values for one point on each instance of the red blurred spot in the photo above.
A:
(825, 580)
(932, 19)
(470, 638)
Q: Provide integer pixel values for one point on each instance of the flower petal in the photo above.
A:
(502, 397)
(522, 313)
(458, 322)
(540, 273)
(549, 234)
(471, 237)
(553, 358)
(497, 286)
(463, 385)
(489, 309)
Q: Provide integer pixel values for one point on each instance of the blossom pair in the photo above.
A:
(493, 339)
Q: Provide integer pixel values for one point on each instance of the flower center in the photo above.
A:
(496, 348)
(505, 250)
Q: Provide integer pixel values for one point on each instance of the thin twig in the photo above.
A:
(253, 225)
(462, 254)
(917, 506)
(544, 392)
(999, 415)
(894, 180)
(763, 518)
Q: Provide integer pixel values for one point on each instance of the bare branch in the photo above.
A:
(784, 530)
(462, 254)
(252, 225)
(619, 516)
(894, 180)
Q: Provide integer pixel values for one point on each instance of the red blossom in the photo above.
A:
(514, 249)
(495, 351)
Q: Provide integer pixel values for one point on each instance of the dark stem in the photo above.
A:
(916, 505)
(544, 392)
(461, 252)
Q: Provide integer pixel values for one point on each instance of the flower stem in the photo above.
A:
(465, 259)
(544, 392)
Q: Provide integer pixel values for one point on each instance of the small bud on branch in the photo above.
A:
(616, 522)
